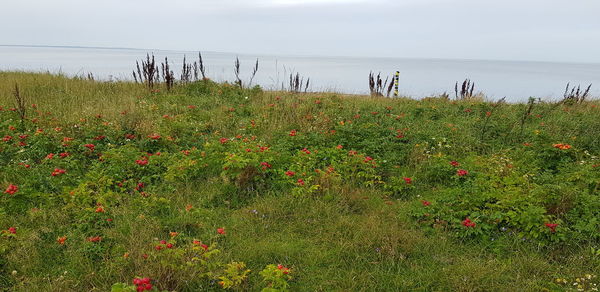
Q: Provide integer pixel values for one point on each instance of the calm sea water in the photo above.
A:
(516, 80)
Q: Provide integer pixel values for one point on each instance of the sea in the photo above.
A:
(517, 81)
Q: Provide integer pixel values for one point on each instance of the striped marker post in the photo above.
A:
(396, 81)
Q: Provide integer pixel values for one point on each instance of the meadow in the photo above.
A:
(207, 186)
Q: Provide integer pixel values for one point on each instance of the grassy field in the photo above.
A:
(106, 183)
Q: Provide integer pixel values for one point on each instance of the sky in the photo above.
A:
(535, 30)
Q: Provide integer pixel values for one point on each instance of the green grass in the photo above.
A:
(360, 230)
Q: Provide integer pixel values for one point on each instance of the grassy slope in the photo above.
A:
(360, 238)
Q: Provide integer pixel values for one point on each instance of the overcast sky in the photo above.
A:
(544, 30)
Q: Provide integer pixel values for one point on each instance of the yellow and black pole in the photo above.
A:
(396, 81)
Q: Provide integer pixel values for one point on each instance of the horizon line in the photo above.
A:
(287, 55)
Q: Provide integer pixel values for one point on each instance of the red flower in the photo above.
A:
(425, 203)
(7, 138)
(142, 284)
(283, 269)
(454, 163)
(142, 162)
(293, 133)
(408, 180)
(64, 154)
(154, 137)
(169, 245)
(552, 226)
(98, 138)
(11, 189)
(339, 147)
(139, 186)
(100, 209)
(90, 146)
(94, 239)
(50, 156)
(306, 151)
(265, 165)
(300, 182)
(290, 173)
(461, 172)
(58, 171)
(562, 146)
(468, 223)
(12, 230)
(221, 230)
(61, 240)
